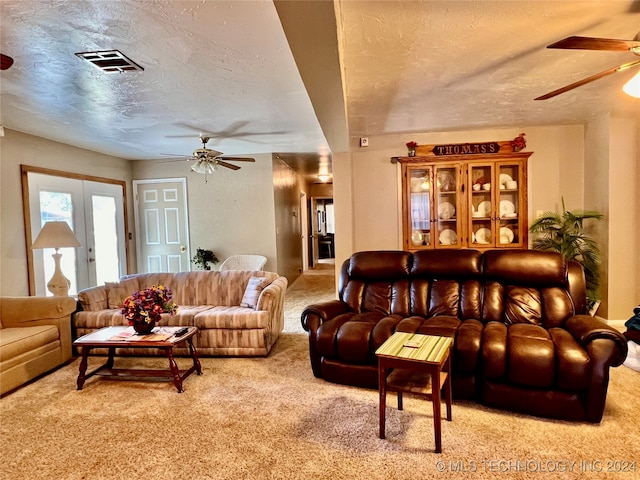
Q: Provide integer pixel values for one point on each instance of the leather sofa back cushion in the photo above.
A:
(529, 267)
(379, 266)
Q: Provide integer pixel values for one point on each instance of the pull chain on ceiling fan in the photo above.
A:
(602, 44)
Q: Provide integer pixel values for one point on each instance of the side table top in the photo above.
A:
(422, 348)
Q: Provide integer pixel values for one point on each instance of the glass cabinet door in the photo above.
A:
(510, 224)
(481, 208)
(421, 180)
(447, 207)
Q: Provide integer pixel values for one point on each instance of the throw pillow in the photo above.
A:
(252, 292)
(118, 291)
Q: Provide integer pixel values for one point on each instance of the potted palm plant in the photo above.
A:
(565, 233)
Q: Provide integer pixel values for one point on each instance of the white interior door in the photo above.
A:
(162, 225)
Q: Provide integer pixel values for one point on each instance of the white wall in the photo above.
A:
(233, 213)
(17, 148)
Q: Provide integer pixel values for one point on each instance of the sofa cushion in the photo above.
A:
(530, 356)
(20, 340)
(231, 318)
(118, 291)
(255, 285)
(93, 299)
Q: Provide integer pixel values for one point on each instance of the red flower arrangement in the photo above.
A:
(412, 145)
(519, 142)
(146, 306)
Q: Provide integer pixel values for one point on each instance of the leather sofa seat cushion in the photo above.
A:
(19, 341)
(348, 336)
(520, 354)
(530, 356)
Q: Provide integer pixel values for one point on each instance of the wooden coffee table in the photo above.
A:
(421, 368)
(104, 338)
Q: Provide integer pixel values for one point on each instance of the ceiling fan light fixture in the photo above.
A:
(204, 167)
(632, 87)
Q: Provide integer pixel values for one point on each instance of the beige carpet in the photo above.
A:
(269, 418)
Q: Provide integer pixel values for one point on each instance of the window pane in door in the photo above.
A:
(58, 206)
(105, 239)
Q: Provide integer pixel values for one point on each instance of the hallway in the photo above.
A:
(317, 285)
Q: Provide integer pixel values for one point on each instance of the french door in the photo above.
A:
(95, 212)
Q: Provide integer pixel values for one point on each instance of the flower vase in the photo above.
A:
(412, 152)
(143, 328)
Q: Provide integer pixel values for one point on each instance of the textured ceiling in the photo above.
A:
(297, 77)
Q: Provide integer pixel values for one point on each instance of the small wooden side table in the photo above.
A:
(422, 365)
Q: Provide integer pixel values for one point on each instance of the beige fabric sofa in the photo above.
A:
(209, 300)
(35, 337)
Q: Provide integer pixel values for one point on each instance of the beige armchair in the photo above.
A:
(35, 337)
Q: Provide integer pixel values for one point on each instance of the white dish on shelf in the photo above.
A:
(511, 215)
(416, 238)
(448, 237)
(483, 236)
(506, 235)
(504, 178)
(507, 208)
(484, 208)
(446, 210)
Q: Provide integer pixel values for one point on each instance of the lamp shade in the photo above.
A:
(56, 235)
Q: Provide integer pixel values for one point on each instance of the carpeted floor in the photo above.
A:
(269, 418)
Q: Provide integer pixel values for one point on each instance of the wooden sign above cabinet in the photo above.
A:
(478, 148)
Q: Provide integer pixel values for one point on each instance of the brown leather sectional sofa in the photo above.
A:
(523, 339)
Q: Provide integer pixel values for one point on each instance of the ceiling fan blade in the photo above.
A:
(238, 159)
(592, 43)
(222, 163)
(182, 159)
(590, 79)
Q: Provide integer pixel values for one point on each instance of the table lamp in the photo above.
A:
(57, 235)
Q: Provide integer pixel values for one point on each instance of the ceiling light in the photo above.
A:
(632, 87)
(324, 178)
(110, 61)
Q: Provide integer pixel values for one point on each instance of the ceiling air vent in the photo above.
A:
(110, 61)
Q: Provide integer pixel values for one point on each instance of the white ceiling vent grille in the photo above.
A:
(110, 61)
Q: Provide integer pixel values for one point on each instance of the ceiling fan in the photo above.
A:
(208, 160)
(593, 43)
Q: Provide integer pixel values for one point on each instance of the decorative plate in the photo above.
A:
(504, 178)
(448, 237)
(507, 208)
(483, 236)
(484, 209)
(446, 210)
(416, 237)
(506, 235)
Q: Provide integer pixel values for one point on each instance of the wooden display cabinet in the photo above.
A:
(465, 201)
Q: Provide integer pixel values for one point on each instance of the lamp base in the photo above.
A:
(59, 284)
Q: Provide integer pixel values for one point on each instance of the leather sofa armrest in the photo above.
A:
(586, 329)
(315, 315)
